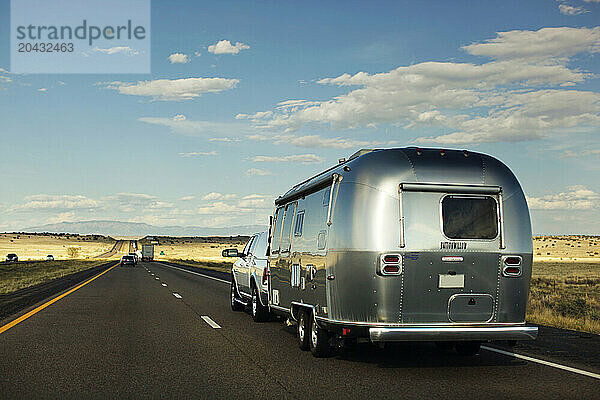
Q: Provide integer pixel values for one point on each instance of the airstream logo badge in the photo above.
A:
(412, 256)
(453, 245)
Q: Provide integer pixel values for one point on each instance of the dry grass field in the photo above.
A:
(15, 276)
(61, 246)
(565, 286)
(195, 249)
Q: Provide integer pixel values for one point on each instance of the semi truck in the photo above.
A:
(147, 252)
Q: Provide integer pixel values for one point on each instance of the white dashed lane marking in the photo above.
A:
(543, 362)
(196, 273)
(177, 295)
(212, 323)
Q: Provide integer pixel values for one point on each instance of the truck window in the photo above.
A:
(259, 247)
(287, 227)
(248, 245)
(470, 217)
(276, 238)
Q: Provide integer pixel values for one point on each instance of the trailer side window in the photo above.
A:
(326, 197)
(470, 217)
(299, 224)
(287, 227)
(276, 233)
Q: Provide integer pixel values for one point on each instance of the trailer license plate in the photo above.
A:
(451, 281)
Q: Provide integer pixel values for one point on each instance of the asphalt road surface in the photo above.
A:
(166, 333)
(117, 247)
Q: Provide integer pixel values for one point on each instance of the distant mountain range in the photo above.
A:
(118, 228)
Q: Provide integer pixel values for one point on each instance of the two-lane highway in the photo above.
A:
(156, 331)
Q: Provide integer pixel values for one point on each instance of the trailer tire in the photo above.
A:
(319, 340)
(468, 348)
(303, 328)
(235, 305)
(260, 313)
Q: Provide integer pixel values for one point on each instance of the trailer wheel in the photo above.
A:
(467, 348)
(319, 340)
(303, 330)
(235, 305)
(260, 313)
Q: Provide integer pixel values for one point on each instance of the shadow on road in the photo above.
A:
(412, 355)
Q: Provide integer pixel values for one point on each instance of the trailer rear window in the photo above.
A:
(470, 217)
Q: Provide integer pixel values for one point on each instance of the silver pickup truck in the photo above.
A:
(249, 277)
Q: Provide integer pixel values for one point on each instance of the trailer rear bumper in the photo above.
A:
(452, 333)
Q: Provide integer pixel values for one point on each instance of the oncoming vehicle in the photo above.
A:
(127, 260)
(12, 257)
(49, 257)
(249, 277)
(404, 244)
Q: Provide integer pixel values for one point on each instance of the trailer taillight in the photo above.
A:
(265, 276)
(391, 269)
(511, 267)
(390, 264)
(510, 260)
(391, 259)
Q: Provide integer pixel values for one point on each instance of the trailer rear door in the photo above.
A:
(452, 236)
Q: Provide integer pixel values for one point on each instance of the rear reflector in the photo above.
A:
(391, 259)
(391, 269)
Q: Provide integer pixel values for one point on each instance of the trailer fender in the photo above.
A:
(296, 306)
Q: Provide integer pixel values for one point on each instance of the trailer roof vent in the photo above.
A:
(341, 160)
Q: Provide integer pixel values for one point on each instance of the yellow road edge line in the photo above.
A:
(54, 300)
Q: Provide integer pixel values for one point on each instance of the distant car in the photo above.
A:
(49, 257)
(135, 257)
(127, 260)
(12, 257)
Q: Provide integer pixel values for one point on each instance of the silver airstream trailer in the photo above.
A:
(404, 244)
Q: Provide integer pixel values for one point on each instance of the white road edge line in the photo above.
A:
(212, 323)
(196, 273)
(547, 363)
(177, 295)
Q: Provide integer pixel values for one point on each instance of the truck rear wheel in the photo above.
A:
(235, 304)
(303, 330)
(319, 340)
(260, 313)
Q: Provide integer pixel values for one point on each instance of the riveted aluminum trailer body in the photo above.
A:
(406, 244)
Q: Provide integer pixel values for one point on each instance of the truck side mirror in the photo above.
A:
(231, 253)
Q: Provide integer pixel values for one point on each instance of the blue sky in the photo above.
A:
(245, 99)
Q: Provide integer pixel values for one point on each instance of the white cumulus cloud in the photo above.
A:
(571, 10)
(173, 89)
(576, 198)
(524, 93)
(305, 159)
(117, 50)
(179, 58)
(199, 153)
(258, 172)
(225, 47)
